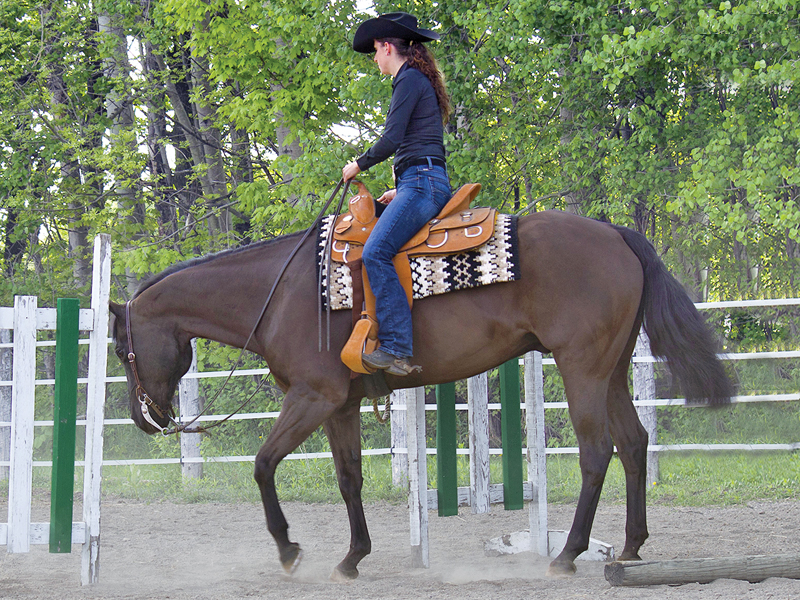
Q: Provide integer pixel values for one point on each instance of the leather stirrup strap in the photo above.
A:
(358, 289)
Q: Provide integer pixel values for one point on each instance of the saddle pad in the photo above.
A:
(494, 262)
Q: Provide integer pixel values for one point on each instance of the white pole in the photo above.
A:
(417, 476)
(644, 388)
(189, 394)
(22, 404)
(95, 408)
(399, 440)
(537, 459)
(478, 409)
(5, 400)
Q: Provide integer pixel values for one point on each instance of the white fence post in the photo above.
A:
(189, 394)
(22, 405)
(95, 408)
(537, 459)
(644, 388)
(399, 440)
(5, 399)
(478, 409)
(417, 476)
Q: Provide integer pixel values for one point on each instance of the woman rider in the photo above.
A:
(413, 132)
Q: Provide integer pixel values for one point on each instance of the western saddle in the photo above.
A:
(457, 228)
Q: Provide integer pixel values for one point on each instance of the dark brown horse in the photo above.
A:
(585, 288)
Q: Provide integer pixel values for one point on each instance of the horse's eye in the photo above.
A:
(120, 353)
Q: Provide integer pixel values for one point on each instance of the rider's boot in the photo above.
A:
(394, 365)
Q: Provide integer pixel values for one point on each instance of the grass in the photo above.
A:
(687, 479)
(692, 479)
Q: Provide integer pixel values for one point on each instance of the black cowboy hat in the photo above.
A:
(391, 25)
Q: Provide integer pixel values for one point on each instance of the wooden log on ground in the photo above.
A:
(703, 570)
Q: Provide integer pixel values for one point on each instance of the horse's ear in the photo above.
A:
(118, 310)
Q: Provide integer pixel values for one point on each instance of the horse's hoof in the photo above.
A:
(292, 561)
(630, 556)
(561, 569)
(341, 575)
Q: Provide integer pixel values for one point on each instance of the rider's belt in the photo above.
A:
(429, 161)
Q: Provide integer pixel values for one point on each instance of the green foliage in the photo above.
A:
(225, 122)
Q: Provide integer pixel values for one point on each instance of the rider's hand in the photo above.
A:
(350, 170)
(387, 196)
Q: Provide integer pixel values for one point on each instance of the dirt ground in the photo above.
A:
(223, 551)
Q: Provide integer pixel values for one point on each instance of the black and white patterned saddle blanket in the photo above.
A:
(495, 261)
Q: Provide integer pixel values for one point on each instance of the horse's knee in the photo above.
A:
(594, 463)
(263, 472)
(595, 457)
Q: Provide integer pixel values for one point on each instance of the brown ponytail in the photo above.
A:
(422, 59)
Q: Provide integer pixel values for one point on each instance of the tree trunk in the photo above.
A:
(12, 248)
(219, 222)
(70, 171)
(690, 274)
(161, 172)
(287, 146)
(119, 110)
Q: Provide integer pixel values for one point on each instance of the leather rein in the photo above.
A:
(147, 404)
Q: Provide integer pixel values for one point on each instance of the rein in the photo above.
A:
(147, 403)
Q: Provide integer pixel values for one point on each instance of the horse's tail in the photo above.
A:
(676, 330)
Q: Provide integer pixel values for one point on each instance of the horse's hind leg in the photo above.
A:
(343, 429)
(587, 409)
(631, 441)
(301, 414)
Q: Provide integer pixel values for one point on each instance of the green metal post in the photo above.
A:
(66, 402)
(446, 469)
(511, 429)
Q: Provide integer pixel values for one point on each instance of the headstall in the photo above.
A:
(145, 401)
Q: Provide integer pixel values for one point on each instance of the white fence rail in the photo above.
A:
(44, 323)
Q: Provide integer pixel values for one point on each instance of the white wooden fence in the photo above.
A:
(25, 319)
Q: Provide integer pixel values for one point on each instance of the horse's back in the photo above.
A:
(579, 292)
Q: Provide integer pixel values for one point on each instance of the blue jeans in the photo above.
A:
(422, 193)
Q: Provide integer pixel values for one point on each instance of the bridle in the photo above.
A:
(146, 403)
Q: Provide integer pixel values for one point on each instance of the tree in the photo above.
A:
(186, 126)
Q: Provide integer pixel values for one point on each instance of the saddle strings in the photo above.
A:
(326, 265)
(181, 428)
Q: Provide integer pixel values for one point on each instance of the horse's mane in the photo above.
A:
(200, 260)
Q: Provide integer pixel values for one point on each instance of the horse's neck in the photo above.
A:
(222, 299)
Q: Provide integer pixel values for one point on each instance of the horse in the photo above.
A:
(586, 288)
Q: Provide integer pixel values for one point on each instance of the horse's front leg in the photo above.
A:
(343, 429)
(302, 412)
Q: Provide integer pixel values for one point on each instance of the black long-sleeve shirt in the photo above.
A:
(413, 126)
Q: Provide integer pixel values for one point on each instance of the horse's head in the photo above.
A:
(161, 358)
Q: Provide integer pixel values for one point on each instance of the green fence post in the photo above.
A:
(446, 468)
(511, 429)
(64, 415)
